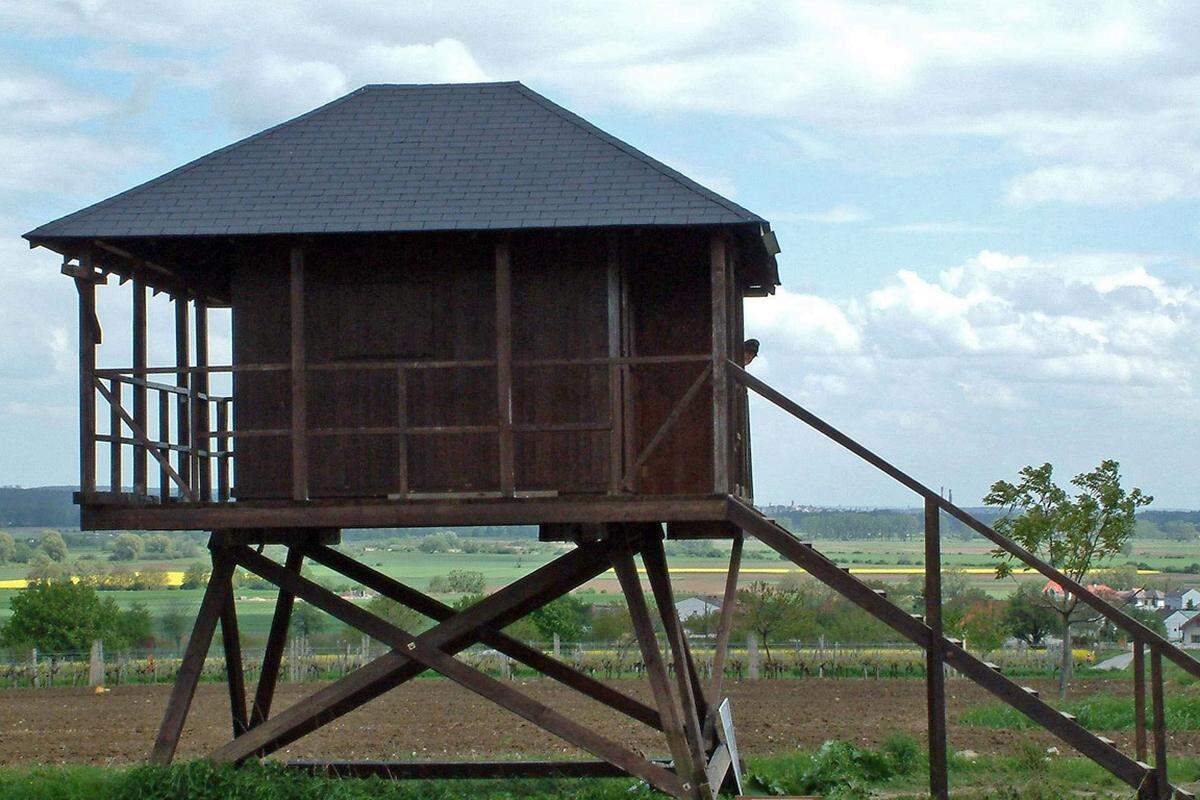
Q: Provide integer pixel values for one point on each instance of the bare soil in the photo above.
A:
(436, 719)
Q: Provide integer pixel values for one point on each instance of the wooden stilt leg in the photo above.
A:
(935, 679)
(725, 624)
(219, 588)
(276, 639)
(234, 674)
(686, 765)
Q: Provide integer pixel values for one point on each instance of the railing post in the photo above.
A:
(88, 337)
(223, 444)
(1161, 782)
(140, 410)
(299, 379)
(164, 436)
(114, 429)
(935, 676)
(504, 366)
(183, 379)
(719, 267)
(1139, 699)
(200, 384)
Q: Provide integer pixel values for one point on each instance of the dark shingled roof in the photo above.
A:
(411, 158)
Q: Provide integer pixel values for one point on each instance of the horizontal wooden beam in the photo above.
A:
(417, 513)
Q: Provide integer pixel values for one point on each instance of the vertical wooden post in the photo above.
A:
(1139, 699)
(140, 360)
(192, 663)
(276, 639)
(752, 656)
(164, 436)
(504, 366)
(616, 412)
(402, 424)
(235, 675)
(1161, 782)
(299, 380)
(720, 355)
(725, 624)
(183, 379)
(935, 675)
(96, 664)
(201, 414)
(114, 428)
(223, 441)
(87, 376)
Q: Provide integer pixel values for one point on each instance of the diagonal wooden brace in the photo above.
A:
(489, 635)
(392, 669)
(425, 651)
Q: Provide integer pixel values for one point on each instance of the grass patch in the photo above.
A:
(1097, 712)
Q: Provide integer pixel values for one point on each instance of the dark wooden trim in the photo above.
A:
(1139, 700)
(402, 424)
(719, 268)
(667, 426)
(140, 409)
(1161, 783)
(515, 649)
(164, 435)
(415, 513)
(504, 415)
(463, 770)
(656, 670)
(114, 449)
(299, 380)
(162, 457)
(616, 414)
(199, 401)
(183, 379)
(935, 678)
(223, 445)
(264, 693)
(235, 675)
(192, 663)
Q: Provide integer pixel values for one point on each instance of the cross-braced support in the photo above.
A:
(681, 709)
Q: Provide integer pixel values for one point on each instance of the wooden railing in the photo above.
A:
(200, 444)
(1142, 637)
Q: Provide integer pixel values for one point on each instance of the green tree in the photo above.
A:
(769, 610)
(133, 627)
(566, 616)
(1072, 534)
(7, 547)
(58, 616)
(611, 624)
(307, 620)
(1028, 616)
(53, 545)
(399, 615)
(195, 576)
(126, 547)
(173, 624)
(41, 568)
(983, 625)
(157, 543)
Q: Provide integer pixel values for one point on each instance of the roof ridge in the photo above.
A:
(629, 149)
(195, 162)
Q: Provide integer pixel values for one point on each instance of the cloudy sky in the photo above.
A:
(989, 211)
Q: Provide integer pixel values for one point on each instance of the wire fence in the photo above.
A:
(746, 660)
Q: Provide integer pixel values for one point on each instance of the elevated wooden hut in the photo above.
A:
(465, 305)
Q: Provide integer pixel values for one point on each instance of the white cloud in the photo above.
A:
(1091, 185)
(836, 215)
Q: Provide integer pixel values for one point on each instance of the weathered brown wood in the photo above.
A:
(359, 513)
(183, 379)
(395, 668)
(520, 652)
(504, 387)
(299, 383)
(402, 438)
(114, 450)
(235, 676)
(668, 424)
(462, 770)
(616, 414)
(140, 409)
(192, 663)
(656, 670)
(87, 369)
(264, 693)
(719, 266)
(935, 680)
(164, 435)
(692, 705)
(223, 442)
(141, 435)
(1139, 700)
(1161, 783)
(725, 623)
(199, 401)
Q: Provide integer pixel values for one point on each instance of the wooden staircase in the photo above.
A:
(926, 631)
